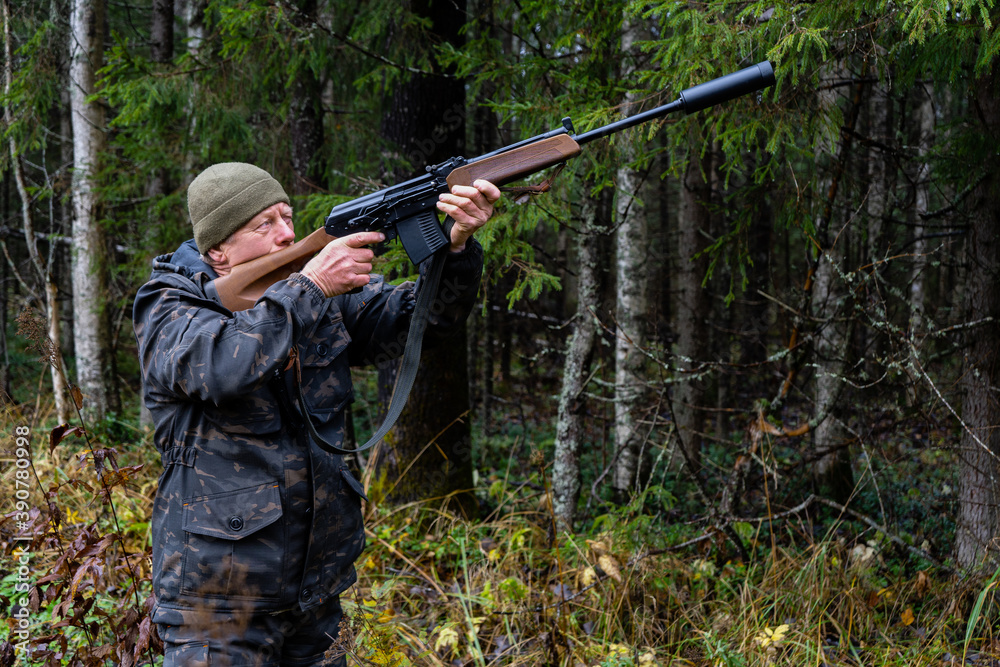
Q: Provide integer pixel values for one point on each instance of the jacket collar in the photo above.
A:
(186, 261)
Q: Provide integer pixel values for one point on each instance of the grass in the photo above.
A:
(509, 592)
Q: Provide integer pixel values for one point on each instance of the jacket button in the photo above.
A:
(236, 523)
(322, 349)
(307, 594)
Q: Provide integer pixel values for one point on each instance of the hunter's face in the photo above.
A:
(268, 231)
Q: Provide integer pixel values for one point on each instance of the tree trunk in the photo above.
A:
(693, 305)
(193, 16)
(979, 489)
(832, 471)
(431, 442)
(632, 298)
(428, 454)
(663, 266)
(570, 424)
(832, 474)
(925, 115)
(161, 37)
(91, 329)
(758, 315)
(161, 32)
(306, 117)
(880, 169)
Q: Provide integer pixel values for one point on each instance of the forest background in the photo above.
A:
(730, 394)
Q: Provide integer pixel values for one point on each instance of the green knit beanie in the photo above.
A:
(225, 197)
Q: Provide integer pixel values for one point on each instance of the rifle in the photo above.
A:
(407, 210)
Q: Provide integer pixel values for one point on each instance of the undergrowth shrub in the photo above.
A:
(75, 570)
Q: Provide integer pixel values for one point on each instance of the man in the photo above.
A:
(255, 528)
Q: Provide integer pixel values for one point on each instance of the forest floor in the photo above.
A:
(660, 581)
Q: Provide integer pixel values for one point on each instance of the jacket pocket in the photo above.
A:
(255, 414)
(187, 655)
(348, 535)
(326, 376)
(234, 544)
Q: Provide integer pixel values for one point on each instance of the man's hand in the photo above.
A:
(343, 264)
(470, 208)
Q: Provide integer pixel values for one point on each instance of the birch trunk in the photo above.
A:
(193, 16)
(976, 545)
(632, 298)
(91, 331)
(576, 368)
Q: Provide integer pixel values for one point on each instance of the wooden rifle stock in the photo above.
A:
(245, 283)
(517, 163)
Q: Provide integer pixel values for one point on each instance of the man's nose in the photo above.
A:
(286, 234)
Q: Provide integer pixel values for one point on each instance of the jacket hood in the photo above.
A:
(187, 256)
(186, 261)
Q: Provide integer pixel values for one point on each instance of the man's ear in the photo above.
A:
(217, 255)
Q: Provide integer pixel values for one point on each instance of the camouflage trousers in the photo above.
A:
(207, 638)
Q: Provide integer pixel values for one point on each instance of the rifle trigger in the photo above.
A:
(523, 192)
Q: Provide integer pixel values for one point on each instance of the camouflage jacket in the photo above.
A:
(250, 514)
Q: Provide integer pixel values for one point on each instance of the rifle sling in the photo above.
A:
(407, 369)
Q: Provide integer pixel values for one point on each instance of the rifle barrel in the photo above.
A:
(748, 80)
(626, 123)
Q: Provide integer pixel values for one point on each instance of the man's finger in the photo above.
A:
(361, 239)
(462, 195)
(475, 205)
(490, 191)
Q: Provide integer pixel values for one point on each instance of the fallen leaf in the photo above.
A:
(610, 567)
(648, 659)
(907, 616)
(598, 547)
